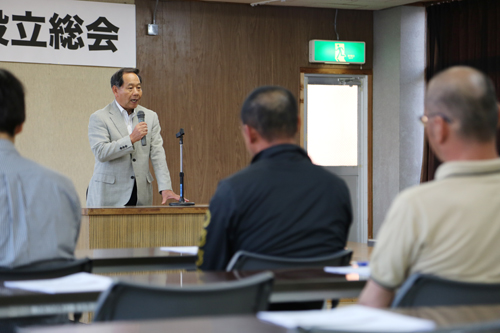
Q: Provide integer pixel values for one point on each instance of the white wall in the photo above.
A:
(59, 102)
(398, 100)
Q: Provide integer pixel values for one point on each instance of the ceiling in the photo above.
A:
(340, 4)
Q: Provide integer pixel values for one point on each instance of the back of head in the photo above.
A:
(272, 111)
(12, 107)
(468, 96)
(117, 78)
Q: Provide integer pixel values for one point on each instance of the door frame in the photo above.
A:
(369, 130)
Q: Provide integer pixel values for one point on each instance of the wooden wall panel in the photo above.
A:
(205, 61)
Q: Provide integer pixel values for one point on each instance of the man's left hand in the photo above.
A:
(169, 194)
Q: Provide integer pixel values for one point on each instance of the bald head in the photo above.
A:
(465, 95)
(272, 111)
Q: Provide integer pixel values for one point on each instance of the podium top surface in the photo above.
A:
(145, 210)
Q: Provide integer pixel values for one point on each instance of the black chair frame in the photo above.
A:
(131, 301)
(243, 260)
(429, 290)
(46, 269)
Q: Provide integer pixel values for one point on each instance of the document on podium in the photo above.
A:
(355, 318)
(74, 283)
(193, 250)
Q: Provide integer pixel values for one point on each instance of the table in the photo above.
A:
(144, 226)
(445, 317)
(360, 251)
(289, 285)
(236, 324)
(153, 258)
(136, 259)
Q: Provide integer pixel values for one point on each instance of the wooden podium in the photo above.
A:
(131, 227)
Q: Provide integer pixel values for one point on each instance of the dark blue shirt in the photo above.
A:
(280, 205)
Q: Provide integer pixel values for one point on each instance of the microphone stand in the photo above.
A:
(181, 202)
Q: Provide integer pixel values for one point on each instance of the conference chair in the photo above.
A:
(46, 269)
(247, 261)
(428, 290)
(127, 301)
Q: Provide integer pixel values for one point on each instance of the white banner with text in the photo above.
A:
(68, 32)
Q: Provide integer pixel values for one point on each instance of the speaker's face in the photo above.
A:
(130, 93)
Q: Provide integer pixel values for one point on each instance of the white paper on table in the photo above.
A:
(353, 318)
(74, 283)
(181, 249)
(362, 271)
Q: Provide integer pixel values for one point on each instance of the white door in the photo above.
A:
(335, 136)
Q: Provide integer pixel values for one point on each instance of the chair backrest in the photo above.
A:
(46, 269)
(428, 290)
(126, 301)
(247, 261)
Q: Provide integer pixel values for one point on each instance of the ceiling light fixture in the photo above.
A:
(264, 2)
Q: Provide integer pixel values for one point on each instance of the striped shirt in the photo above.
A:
(39, 211)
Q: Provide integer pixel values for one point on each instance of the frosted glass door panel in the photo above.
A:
(332, 124)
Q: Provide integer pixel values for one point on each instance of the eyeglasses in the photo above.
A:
(424, 119)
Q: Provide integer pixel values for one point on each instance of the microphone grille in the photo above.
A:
(140, 115)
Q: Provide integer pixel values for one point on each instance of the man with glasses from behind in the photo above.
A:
(448, 227)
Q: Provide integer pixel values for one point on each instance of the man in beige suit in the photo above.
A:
(121, 171)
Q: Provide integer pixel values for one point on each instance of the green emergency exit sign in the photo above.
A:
(336, 52)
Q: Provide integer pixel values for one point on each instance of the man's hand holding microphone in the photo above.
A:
(140, 130)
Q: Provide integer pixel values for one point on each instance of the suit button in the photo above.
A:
(132, 177)
(133, 160)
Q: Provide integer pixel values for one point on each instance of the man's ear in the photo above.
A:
(18, 129)
(244, 131)
(251, 133)
(115, 90)
(440, 129)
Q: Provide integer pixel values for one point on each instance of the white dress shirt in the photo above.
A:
(127, 117)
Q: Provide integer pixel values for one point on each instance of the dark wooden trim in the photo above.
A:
(370, 156)
(145, 210)
(312, 70)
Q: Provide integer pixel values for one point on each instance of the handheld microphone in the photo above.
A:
(140, 116)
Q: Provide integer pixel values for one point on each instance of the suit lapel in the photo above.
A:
(117, 119)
